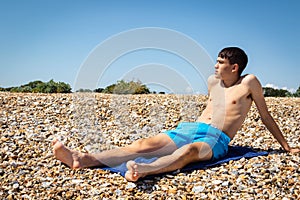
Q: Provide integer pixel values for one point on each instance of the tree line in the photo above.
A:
(272, 92)
(121, 87)
(41, 87)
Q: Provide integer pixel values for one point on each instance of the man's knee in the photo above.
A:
(141, 146)
(190, 150)
(137, 145)
(197, 151)
(153, 144)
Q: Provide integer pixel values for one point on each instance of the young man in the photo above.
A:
(230, 98)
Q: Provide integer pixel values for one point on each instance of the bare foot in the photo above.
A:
(65, 155)
(134, 171)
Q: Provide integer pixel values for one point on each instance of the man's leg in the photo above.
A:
(198, 151)
(158, 145)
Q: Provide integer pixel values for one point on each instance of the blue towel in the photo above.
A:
(234, 153)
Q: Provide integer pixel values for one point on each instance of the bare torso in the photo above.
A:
(227, 108)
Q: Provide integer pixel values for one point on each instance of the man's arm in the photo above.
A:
(258, 97)
(210, 81)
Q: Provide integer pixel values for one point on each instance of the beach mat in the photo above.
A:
(234, 153)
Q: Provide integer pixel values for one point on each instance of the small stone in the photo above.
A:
(217, 182)
(225, 183)
(164, 187)
(198, 189)
(130, 185)
(69, 194)
(16, 185)
(172, 191)
(46, 184)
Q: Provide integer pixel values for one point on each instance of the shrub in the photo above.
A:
(41, 87)
(84, 90)
(99, 90)
(271, 92)
(297, 93)
(123, 87)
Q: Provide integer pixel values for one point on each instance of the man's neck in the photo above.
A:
(230, 82)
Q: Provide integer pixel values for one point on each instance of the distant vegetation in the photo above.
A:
(41, 87)
(122, 87)
(271, 92)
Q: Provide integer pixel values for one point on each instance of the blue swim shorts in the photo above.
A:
(190, 132)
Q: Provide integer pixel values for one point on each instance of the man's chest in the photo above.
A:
(234, 95)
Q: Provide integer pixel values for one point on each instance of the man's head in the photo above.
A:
(235, 55)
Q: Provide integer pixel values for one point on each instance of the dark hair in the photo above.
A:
(235, 55)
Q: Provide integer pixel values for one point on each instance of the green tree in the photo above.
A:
(41, 87)
(271, 92)
(109, 89)
(123, 87)
(99, 90)
(63, 88)
(51, 87)
(33, 84)
(84, 90)
(297, 93)
(26, 89)
(15, 89)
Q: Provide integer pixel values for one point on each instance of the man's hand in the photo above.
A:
(293, 150)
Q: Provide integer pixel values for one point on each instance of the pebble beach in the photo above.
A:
(93, 122)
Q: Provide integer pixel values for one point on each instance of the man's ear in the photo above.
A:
(235, 68)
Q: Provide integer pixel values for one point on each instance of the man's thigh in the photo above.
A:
(158, 145)
(199, 151)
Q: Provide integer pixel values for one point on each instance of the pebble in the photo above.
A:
(130, 185)
(198, 189)
(217, 182)
(96, 122)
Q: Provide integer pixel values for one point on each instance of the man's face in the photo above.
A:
(223, 68)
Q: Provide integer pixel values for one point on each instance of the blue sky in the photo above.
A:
(51, 39)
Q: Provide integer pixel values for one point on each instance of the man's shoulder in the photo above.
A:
(251, 82)
(212, 80)
(249, 78)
